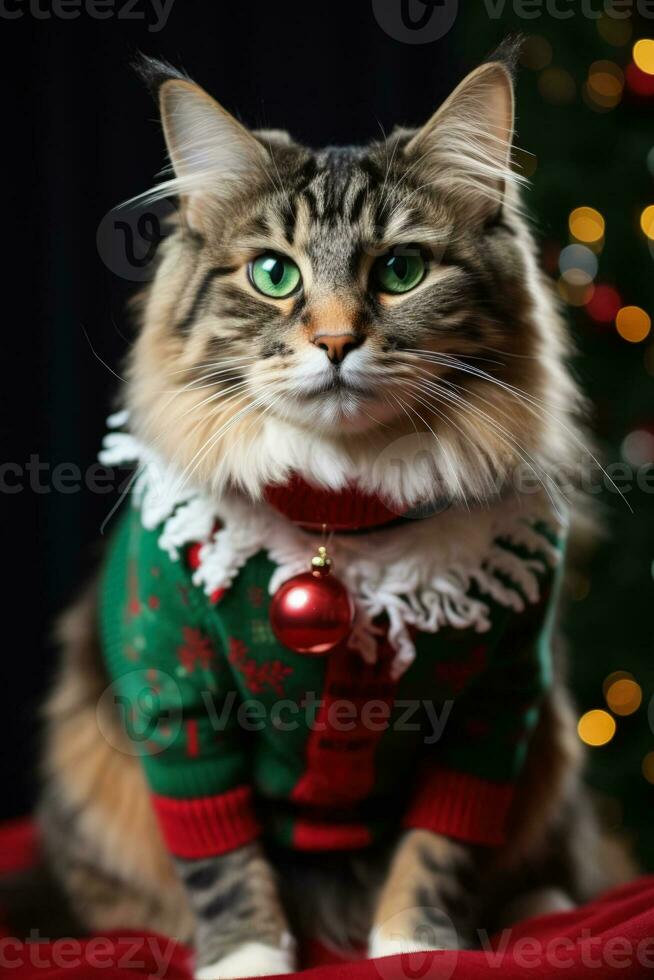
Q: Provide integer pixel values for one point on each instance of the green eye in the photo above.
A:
(400, 269)
(274, 275)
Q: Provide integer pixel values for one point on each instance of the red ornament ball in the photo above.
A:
(311, 613)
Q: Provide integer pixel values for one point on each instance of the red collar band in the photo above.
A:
(312, 507)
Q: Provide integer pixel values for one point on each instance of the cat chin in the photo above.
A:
(334, 414)
(406, 468)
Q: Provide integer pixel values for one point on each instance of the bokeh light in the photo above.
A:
(647, 221)
(638, 447)
(556, 85)
(624, 696)
(640, 82)
(613, 31)
(578, 258)
(648, 767)
(633, 324)
(586, 225)
(604, 304)
(575, 288)
(603, 90)
(643, 55)
(596, 727)
(536, 52)
(616, 675)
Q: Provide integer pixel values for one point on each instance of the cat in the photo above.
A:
(320, 325)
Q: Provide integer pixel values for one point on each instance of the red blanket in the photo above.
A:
(613, 935)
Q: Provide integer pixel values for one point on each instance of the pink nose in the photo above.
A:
(336, 346)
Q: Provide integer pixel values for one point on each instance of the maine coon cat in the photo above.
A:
(320, 324)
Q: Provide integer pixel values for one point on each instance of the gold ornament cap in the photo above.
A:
(321, 563)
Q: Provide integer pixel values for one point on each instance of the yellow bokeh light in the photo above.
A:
(616, 675)
(647, 221)
(556, 85)
(586, 225)
(615, 32)
(607, 68)
(536, 52)
(624, 696)
(633, 324)
(644, 55)
(596, 727)
(605, 84)
(648, 767)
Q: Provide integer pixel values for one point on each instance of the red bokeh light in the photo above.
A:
(639, 81)
(604, 304)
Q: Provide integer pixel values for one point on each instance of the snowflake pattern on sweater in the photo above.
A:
(246, 737)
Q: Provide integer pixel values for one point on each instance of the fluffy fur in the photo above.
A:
(225, 382)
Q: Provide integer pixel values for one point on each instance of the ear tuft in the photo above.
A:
(464, 150)
(508, 53)
(153, 72)
(214, 159)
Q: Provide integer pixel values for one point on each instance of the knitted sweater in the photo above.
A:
(241, 737)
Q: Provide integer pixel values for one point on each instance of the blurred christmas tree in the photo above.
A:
(585, 111)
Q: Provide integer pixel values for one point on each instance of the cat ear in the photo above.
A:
(465, 148)
(212, 155)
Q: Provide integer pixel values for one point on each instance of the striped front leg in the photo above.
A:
(241, 928)
(428, 899)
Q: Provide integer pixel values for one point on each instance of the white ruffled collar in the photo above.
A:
(419, 574)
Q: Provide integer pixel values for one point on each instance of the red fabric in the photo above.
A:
(311, 835)
(612, 936)
(340, 752)
(18, 845)
(209, 825)
(456, 804)
(342, 510)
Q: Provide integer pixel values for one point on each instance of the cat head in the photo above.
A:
(314, 309)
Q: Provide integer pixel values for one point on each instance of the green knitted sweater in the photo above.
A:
(239, 736)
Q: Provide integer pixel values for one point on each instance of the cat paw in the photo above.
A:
(394, 945)
(249, 960)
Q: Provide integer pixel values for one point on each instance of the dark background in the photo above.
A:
(80, 136)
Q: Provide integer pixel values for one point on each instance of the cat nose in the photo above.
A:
(337, 346)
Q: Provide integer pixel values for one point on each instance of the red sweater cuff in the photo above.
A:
(462, 806)
(207, 826)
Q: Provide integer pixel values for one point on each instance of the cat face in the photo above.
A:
(346, 295)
